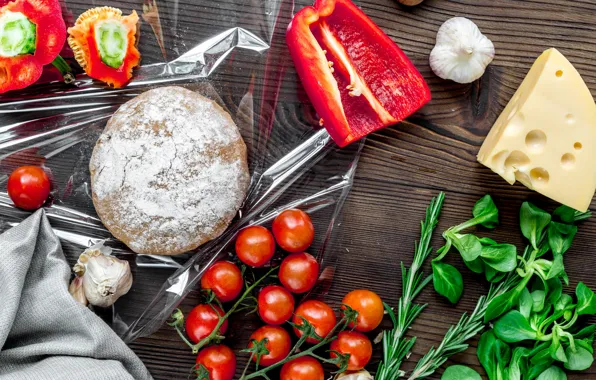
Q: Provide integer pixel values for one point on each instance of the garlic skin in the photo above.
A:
(461, 52)
(359, 375)
(76, 290)
(105, 278)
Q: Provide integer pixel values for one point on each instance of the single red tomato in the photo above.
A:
(275, 304)
(357, 345)
(293, 230)
(219, 360)
(318, 314)
(255, 246)
(224, 278)
(299, 272)
(278, 344)
(302, 368)
(369, 307)
(201, 321)
(28, 187)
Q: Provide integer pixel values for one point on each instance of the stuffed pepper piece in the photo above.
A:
(32, 34)
(357, 78)
(104, 44)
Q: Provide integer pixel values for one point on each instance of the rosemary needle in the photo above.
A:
(395, 347)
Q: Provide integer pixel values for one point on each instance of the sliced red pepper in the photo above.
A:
(84, 44)
(22, 70)
(357, 78)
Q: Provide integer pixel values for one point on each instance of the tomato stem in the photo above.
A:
(215, 333)
(341, 325)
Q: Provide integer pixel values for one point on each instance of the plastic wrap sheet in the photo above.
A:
(232, 52)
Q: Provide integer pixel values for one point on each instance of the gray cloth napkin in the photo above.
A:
(44, 332)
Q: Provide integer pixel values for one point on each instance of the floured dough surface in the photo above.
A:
(169, 172)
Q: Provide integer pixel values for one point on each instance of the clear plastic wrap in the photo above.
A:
(232, 53)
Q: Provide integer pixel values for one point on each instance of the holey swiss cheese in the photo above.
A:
(546, 136)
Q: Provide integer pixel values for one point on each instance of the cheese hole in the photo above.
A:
(517, 160)
(577, 146)
(569, 118)
(568, 161)
(498, 159)
(536, 141)
(539, 177)
(559, 73)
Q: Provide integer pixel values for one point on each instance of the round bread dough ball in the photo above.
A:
(169, 172)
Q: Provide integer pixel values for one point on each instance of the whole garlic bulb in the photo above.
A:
(462, 52)
(105, 278)
(359, 375)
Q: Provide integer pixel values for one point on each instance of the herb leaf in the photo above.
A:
(560, 237)
(525, 303)
(578, 359)
(460, 372)
(586, 300)
(533, 221)
(513, 327)
(486, 208)
(468, 245)
(552, 373)
(501, 257)
(447, 281)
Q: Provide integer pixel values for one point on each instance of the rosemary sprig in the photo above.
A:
(395, 347)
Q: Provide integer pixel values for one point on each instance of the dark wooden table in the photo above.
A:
(403, 166)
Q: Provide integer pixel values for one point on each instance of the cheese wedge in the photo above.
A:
(546, 136)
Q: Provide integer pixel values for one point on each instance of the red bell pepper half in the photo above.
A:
(32, 34)
(357, 78)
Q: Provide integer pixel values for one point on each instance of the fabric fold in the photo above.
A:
(44, 332)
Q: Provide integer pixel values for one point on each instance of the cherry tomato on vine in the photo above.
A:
(278, 344)
(357, 345)
(201, 321)
(299, 272)
(219, 360)
(318, 314)
(293, 230)
(275, 304)
(28, 187)
(255, 246)
(224, 278)
(302, 368)
(369, 307)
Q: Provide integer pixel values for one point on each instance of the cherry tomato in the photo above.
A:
(278, 344)
(219, 360)
(201, 321)
(275, 304)
(29, 187)
(302, 368)
(318, 314)
(255, 246)
(369, 307)
(299, 272)
(293, 230)
(224, 278)
(357, 345)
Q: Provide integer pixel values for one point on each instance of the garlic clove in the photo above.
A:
(461, 52)
(76, 290)
(359, 375)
